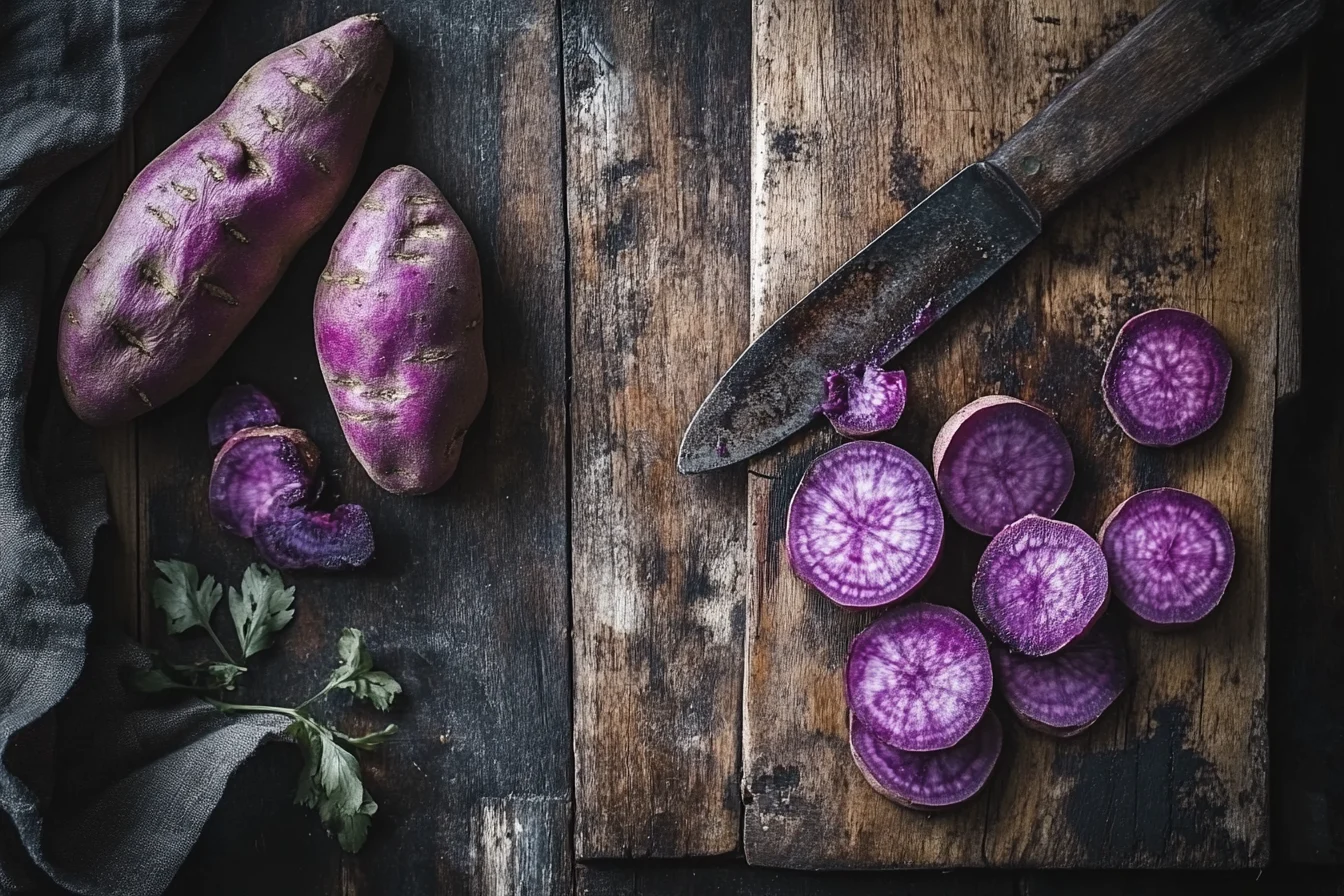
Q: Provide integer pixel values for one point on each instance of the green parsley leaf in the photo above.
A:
(331, 783)
(352, 830)
(357, 675)
(262, 608)
(184, 599)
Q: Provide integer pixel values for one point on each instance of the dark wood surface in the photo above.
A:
(469, 599)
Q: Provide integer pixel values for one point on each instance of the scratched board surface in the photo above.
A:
(896, 98)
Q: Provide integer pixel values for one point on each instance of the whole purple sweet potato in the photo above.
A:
(208, 227)
(398, 326)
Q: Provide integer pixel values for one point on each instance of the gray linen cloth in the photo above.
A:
(100, 791)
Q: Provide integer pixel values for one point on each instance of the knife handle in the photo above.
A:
(1167, 66)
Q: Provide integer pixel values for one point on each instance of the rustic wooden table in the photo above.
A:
(569, 617)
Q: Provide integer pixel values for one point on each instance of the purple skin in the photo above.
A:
(294, 538)
(397, 321)
(865, 526)
(1064, 693)
(257, 469)
(239, 407)
(863, 401)
(919, 677)
(208, 227)
(1040, 585)
(1166, 379)
(999, 459)
(936, 779)
(1170, 555)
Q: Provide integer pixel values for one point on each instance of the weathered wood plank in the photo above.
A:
(466, 601)
(522, 846)
(897, 98)
(656, 106)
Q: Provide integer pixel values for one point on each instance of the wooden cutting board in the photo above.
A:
(860, 109)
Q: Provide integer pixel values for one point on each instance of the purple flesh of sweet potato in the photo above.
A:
(865, 526)
(208, 227)
(294, 538)
(257, 468)
(1166, 379)
(239, 407)
(934, 779)
(920, 677)
(1065, 692)
(997, 460)
(397, 321)
(863, 401)
(1170, 555)
(1040, 585)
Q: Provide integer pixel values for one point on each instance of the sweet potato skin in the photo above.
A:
(397, 321)
(207, 228)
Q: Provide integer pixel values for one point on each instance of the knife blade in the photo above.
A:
(871, 308)
(944, 248)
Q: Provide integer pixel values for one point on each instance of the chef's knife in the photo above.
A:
(1167, 66)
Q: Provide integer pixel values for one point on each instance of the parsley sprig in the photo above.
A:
(330, 780)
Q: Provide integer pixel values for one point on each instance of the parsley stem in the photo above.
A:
(220, 644)
(249, 707)
(320, 694)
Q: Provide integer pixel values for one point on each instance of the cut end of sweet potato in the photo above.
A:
(999, 459)
(931, 780)
(1040, 585)
(1064, 693)
(1170, 555)
(919, 677)
(1167, 376)
(239, 407)
(296, 538)
(257, 470)
(864, 400)
(865, 526)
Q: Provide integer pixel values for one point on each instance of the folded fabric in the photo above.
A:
(100, 791)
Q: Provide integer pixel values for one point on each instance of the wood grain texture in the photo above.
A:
(522, 846)
(466, 600)
(899, 97)
(656, 98)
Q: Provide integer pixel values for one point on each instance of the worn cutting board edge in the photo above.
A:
(1155, 233)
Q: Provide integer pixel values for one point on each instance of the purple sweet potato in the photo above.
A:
(864, 400)
(920, 677)
(997, 460)
(257, 468)
(239, 407)
(1170, 555)
(933, 779)
(1040, 585)
(1166, 379)
(1065, 692)
(865, 526)
(208, 227)
(398, 328)
(262, 483)
(295, 538)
